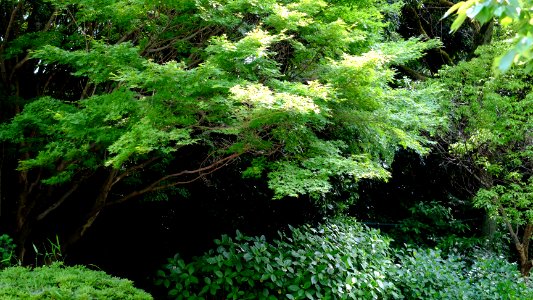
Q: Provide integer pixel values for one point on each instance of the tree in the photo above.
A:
(423, 18)
(163, 93)
(514, 14)
(492, 139)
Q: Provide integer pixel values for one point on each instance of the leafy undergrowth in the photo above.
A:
(428, 274)
(340, 259)
(59, 282)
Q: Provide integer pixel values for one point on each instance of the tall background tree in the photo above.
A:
(491, 138)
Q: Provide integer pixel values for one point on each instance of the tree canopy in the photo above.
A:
(299, 89)
(491, 131)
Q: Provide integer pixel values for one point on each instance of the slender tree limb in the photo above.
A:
(28, 56)
(58, 203)
(171, 41)
(51, 20)
(3, 70)
(10, 24)
(133, 169)
(99, 204)
(155, 186)
(412, 73)
(507, 222)
(526, 237)
(19, 65)
(417, 21)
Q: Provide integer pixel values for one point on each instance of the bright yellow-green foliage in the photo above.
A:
(301, 87)
(58, 282)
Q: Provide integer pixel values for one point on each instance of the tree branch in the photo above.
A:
(155, 186)
(5, 40)
(133, 169)
(508, 223)
(171, 41)
(10, 24)
(58, 203)
(412, 73)
(526, 237)
(28, 56)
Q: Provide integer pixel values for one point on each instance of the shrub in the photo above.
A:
(7, 251)
(432, 224)
(426, 274)
(339, 259)
(59, 282)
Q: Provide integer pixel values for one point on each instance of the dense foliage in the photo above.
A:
(7, 251)
(306, 102)
(491, 137)
(58, 282)
(299, 91)
(513, 14)
(340, 259)
(427, 274)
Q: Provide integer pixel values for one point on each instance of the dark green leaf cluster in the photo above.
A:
(59, 282)
(428, 274)
(7, 251)
(433, 224)
(340, 259)
(491, 116)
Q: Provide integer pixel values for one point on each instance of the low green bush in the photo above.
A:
(433, 224)
(7, 251)
(427, 274)
(59, 282)
(340, 259)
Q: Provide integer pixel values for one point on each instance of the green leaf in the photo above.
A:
(452, 9)
(505, 62)
(461, 17)
(293, 288)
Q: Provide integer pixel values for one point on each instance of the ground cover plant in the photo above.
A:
(60, 282)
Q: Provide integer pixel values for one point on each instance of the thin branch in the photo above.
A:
(412, 73)
(10, 24)
(51, 20)
(526, 237)
(19, 65)
(508, 223)
(133, 169)
(5, 40)
(155, 186)
(58, 203)
(28, 56)
(126, 35)
(170, 41)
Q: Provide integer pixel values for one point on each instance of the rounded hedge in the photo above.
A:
(59, 282)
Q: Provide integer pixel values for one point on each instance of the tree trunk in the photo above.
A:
(24, 224)
(99, 204)
(523, 250)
